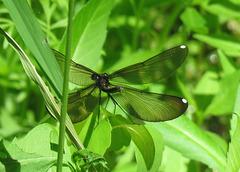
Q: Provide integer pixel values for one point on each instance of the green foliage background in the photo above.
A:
(109, 35)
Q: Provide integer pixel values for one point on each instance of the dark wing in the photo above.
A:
(82, 102)
(150, 106)
(78, 74)
(152, 69)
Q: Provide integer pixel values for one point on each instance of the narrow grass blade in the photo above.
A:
(33, 36)
(50, 102)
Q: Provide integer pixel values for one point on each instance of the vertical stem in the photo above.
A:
(65, 87)
(138, 12)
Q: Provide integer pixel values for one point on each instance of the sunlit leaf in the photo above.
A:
(233, 156)
(223, 101)
(89, 30)
(187, 138)
(15, 159)
(159, 148)
(227, 63)
(228, 44)
(223, 8)
(194, 20)
(100, 135)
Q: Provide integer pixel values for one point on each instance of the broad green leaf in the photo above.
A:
(119, 136)
(228, 65)
(39, 140)
(31, 33)
(233, 156)
(184, 136)
(89, 32)
(100, 135)
(223, 8)
(158, 144)
(15, 159)
(53, 107)
(173, 161)
(228, 44)
(223, 101)
(205, 90)
(43, 140)
(144, 142)
(208, 84)
(141, 138)
(217, 139)
(194, 21)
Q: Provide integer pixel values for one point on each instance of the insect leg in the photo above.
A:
(116, 103)
(107, 101)
(99, 103)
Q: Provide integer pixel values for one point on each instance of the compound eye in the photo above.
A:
(94, 77)
(105, 74)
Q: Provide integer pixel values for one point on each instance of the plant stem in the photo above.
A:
(65, 87)
(137, 11)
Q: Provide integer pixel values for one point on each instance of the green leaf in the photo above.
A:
(205, 91)
(184, 136)
(89, 32)
(217, 139)
(43, 140)
(223, 8)
(39, 140)
(144, 142)
(174, 161)
(18, 160)
(233, 156)
(228, 44)
(223, 101)
(208, 84)
(228, 65)
(120, 137)
(31, 33)
(158, 145)
(100, 135)
(193, 20)
(140, 136)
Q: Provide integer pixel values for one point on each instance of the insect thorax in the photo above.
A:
(103, 83)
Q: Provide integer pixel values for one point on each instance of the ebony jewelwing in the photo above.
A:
(146, 106)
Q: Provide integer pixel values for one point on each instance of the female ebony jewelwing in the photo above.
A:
(146, 106)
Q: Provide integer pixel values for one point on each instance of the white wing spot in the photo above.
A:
(184, 100)
(183, 46)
